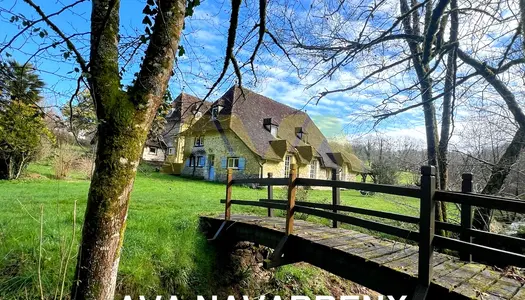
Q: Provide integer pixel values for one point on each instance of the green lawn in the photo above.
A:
(163, 251)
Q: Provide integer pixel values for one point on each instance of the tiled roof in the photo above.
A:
(155, 143)
(186, 106)
(243, 112)
(184, 109)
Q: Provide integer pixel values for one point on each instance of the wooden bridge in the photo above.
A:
(414, 267)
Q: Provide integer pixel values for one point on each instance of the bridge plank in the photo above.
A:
(386, 250)
(405, 251)
(314, 234)
(446, 268)
(270, 224)
(341, 240)
(398, 261)
(358, 246)
(504, 288)
(407, 261)
(520, 295)
(320, 233)
(457, 277)
(475, 286)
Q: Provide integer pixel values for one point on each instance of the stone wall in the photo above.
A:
(228, 144)
(157, 156)
(221, 146)
(277, 168)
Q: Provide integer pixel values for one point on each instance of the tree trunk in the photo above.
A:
(432, 142)
(448, 106)
(425, 86)
(4, 167)
(482, 216)
(450, 81)
(500, 171)
(117, 158)
(125, 119)
(522, 24)
(21, 164)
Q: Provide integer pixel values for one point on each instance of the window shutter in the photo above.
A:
(223, 162)
(242, 163)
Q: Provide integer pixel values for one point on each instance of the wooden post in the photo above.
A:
(229, 179)
(270, 195)
(466, 216)
(292, 190)
(426, 224)
(336, 195)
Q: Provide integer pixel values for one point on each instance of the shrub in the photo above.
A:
(385, 172)
(45, 152)
(65, 158)
(85, 166)
(20, 137)
(21, 121)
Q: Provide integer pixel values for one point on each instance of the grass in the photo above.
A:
(163, 251)
(407, 178)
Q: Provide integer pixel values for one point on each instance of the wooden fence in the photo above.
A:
(425, 237)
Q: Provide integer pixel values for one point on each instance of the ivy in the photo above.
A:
(143, 39)
(150, 11)
(190, 9)
(181, 50)
(147, 21)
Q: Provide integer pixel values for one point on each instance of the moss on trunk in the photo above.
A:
(125, 118)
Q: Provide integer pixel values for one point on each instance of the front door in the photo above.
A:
(211, 167)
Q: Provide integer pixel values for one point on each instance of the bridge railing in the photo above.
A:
(425, 237)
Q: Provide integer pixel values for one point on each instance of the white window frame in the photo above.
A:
(287, 165)
(199, 141)
(273, 130)
(214, 112)
(313, 169)
(154, 150)
(199, 162)
(231, 162)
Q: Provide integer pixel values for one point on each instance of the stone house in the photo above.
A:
(154, 151)
(255, 135)
(185, 110)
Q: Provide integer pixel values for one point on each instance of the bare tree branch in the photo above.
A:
(55, 28)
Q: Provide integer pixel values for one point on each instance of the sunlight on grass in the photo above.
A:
(163, 250)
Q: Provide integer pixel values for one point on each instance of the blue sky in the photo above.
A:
(204, 41)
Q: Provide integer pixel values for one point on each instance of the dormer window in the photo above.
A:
(271, 126)
(301, 134)
(214, 112)
(273, 131)
(195, 109)
(199, 141)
